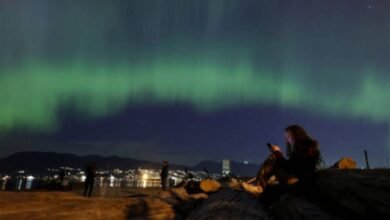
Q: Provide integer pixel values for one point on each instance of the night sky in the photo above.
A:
(194, 80)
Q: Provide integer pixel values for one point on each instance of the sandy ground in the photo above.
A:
(112, 203)
(108, 192)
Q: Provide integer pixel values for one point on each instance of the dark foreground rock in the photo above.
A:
(355, 193)
(229, 204)
(335, 194)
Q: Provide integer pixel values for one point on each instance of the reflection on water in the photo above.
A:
(110, 182)
(103, 185)
(29, 184)
(3, 183)
(17, 184)
(116, 182)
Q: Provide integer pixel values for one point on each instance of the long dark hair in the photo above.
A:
(298, 132)
(303, 140)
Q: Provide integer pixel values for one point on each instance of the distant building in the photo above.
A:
(225, 167)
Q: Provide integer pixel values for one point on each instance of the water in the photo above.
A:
(129, 183)
(19, 184)
(30, 184)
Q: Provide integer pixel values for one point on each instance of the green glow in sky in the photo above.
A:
(318, 59)
(33, 93)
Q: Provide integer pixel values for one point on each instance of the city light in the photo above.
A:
(144, 178)
(112, 179)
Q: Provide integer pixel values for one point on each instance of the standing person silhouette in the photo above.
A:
(164, 174)
(90, 180)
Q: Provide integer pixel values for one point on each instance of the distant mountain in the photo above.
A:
(40, 161)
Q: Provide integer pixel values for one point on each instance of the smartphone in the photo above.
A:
(269, 146)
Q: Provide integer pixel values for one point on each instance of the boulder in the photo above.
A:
(234, 183)
(251, 189)
(345, 163)
(228, 203)
(209, 185)
(358, 194)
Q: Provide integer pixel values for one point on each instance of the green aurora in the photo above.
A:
(98, 58)
(33, 93)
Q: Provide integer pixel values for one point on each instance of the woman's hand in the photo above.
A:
(276, 151)
(275, 148)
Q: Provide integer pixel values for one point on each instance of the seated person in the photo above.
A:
(303, 157)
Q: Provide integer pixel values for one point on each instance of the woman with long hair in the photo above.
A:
(303, 158)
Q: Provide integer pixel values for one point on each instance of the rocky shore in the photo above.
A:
(338, 194)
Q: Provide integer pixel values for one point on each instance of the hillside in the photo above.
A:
(39, 161)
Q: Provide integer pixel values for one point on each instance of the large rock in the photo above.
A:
(295, 207)
(229, 204)
(363, 194)
(183, 195)
(209, 185)
(345, 163)
(181, 201)
(254, 190)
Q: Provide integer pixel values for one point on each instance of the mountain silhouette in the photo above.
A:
(38, 162)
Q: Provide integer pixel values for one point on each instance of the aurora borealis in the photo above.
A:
(188, 77)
